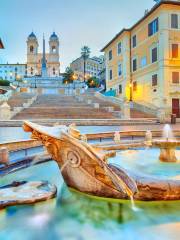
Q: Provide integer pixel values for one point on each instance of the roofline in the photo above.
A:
(1, 44)
(156, 6)
(90, 58)
(14, 64)
(116, 36)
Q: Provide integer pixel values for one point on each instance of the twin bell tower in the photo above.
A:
(45, 64)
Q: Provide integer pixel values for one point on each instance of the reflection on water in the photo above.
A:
(8, 134)
(146, 161)
(75, 217)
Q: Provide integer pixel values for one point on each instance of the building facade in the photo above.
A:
(1, 44)
(13, 72)
(143, 62)
(34, 58)
(94, 67)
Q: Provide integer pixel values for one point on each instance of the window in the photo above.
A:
(54, 71)
(175, 77)
(119, 69)
(120, 89)
(154, 55)
(134, 86)
(134, 65)
(119, 48)
(134, 41)
(143, 61)
(53, 49)
(175, 50)
(31, 49)
(110, 55)
(153, 27)
(110, 74)
(174, 21)
(154, 80)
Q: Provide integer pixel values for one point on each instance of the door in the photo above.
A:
(175, 107)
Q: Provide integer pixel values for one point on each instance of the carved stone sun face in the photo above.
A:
(74, 159)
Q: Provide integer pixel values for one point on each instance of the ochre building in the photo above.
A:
(143, 62)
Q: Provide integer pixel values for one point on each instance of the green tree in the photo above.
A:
(93, 82)
(68, 76)
(4, 82)
(85, 52)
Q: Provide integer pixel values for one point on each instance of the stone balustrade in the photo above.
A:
(109, 109)
(89, 101)
(126, 114)
(5, 110)
(4, 156)
(96, 105)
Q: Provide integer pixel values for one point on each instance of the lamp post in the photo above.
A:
(35, 85)
(85, 52)
(130, 89)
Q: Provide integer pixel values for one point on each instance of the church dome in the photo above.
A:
(53, 36)
(32, 36)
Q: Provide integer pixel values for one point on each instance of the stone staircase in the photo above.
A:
(18, 99)
(54, 106)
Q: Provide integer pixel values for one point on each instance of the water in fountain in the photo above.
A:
(133, 206)
(168, 133)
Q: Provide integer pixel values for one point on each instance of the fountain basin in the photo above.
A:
(18, 193)
(86, 169)
(167, 149)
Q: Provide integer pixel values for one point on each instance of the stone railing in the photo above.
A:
(137, 106)
(151, 109)
(124, 113)
(5, 110)
(20, 145)
(109, 99)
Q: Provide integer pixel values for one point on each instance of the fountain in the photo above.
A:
(85, 168)
(167, 145)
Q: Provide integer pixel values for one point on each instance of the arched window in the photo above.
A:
(54, 49)
(54, 71)
(31, 49)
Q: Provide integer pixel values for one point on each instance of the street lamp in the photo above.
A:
(74, 79)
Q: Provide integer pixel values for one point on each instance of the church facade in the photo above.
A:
(43, 64)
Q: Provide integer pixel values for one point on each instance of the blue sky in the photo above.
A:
(77, 22)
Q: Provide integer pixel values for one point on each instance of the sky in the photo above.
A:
(77, 23)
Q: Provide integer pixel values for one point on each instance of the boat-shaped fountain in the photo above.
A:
(85, 168)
